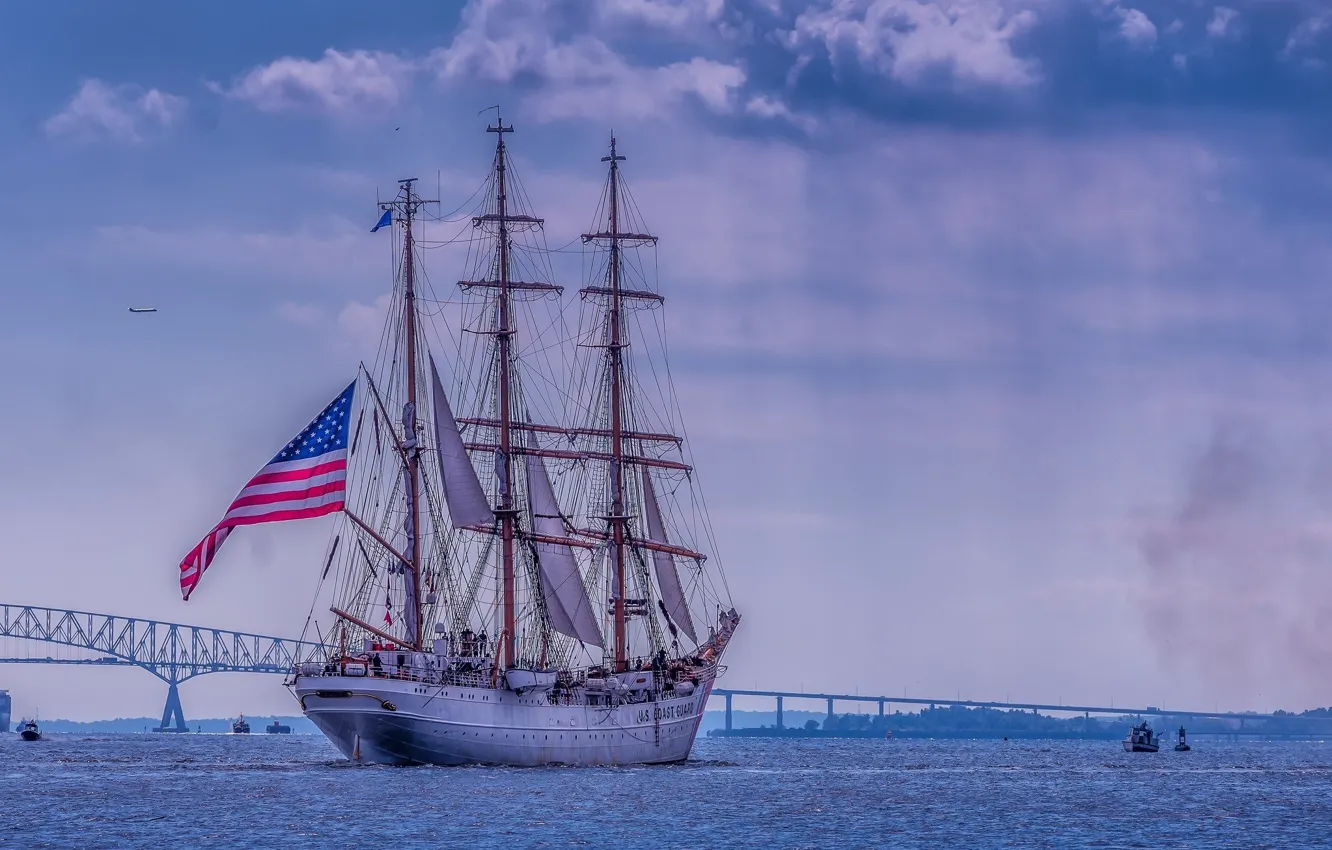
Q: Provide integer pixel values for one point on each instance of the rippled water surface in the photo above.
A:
(296, 791)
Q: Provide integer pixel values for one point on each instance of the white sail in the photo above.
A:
(561, 584)
(412, 628)
(668, 580)
(467, 502)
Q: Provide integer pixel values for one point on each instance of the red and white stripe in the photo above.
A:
(281, 491)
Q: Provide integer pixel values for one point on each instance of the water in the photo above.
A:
(295, 791)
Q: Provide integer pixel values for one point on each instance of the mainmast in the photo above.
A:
(563, 604)
(504, 336)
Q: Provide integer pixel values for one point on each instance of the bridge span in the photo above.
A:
(173, 652)
(729, 694)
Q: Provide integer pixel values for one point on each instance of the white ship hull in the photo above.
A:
(390, 721)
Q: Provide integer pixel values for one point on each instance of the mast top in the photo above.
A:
(498, 127)
(407, 200)
(613, 158)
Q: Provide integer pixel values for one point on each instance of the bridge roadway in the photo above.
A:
(1154, 711)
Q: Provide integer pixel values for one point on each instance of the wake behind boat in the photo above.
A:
(525, 583)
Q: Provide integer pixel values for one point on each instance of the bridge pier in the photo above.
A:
(779, 713)
(173, 710)
(728, 712)
(881, 708)
(830, 711)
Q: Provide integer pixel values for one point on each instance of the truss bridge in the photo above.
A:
(173, 652)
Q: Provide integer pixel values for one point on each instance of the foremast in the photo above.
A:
(406, 206)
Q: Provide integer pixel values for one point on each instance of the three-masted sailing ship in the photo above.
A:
(518, 574)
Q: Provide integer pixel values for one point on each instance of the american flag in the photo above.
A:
(308, 478)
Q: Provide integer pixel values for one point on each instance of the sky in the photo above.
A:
(999, 326)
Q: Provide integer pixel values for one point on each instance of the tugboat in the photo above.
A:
(1183, 745)
(28, 731)
(276, 728)
(1141, 739)
(240, 727)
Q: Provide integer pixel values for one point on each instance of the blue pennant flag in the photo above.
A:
(384, 220)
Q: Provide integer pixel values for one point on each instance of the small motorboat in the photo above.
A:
(240, 726)
(276, 728)
(28, 731)
(1141, 739)
(1183, 745)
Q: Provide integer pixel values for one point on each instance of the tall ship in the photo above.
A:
(520, 569)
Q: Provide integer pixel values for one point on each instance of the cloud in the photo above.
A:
(337, 83)
(1136, 27)
(665, 14)
(913, 40)
(763, 106)
(123, 113)
(1305, 36)
(511, 41)
(598, 84)
(1222, 18)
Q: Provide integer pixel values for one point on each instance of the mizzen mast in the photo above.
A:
(618, 516)
(615, 345)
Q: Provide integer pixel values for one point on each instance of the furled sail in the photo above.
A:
(467, 502)
(668, 579)
(561, 584)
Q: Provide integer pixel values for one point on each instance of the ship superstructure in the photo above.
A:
(519, 572)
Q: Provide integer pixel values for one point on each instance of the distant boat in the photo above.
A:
(143, 309)
(1141, 739)
(28, 731)
(1183, 745)
(276, 728)
(240, 727)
